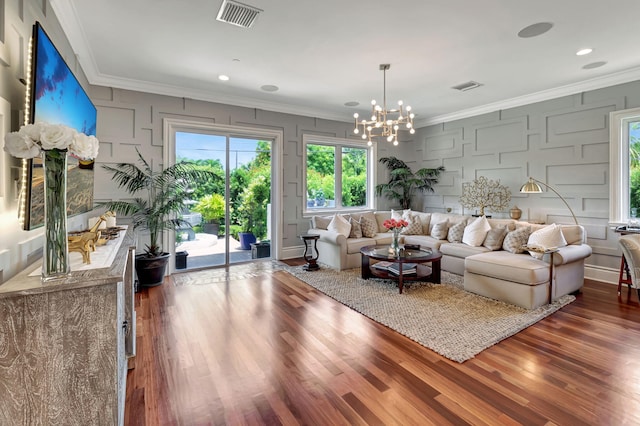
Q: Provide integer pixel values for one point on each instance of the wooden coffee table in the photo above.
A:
(418, 256)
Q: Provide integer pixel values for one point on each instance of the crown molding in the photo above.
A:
(608, 80)
(68, 18)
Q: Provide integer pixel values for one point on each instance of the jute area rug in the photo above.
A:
(442, 317)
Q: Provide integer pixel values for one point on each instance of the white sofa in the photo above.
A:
(519, 279)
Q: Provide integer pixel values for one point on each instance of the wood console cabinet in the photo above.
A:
(64, 346)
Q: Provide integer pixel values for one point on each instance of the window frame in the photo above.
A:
(619, 164)
(338, 144)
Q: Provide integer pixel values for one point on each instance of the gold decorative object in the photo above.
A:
(485, 193)
(515, 213)
(86, 242)
(532, 187)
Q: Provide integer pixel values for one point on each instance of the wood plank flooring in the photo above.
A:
(272, 350)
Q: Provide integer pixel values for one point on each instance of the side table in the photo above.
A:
(550, 252)
(310, 251)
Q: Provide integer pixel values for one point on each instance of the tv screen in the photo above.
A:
(57, 98)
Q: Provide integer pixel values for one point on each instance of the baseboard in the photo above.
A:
(292, 252)
(600, 273)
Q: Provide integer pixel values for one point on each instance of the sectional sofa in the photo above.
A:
(487, 252)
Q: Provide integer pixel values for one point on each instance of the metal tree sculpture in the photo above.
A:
(485, 193)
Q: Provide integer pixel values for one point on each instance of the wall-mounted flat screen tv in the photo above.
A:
(57, 98)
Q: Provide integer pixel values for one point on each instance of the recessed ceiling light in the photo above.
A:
(535, 29)
(223, 77)
(352, 103)
(270, 88)
(582, 52)
(593, 65)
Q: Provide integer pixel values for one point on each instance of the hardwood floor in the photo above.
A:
(272, 350)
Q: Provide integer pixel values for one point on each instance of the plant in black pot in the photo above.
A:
(211, 207)
(165, 194)
(252, 213)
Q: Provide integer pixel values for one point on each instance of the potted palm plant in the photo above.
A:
(403, 182)
(212, 208)
(165, 194)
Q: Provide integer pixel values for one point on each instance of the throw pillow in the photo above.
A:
(476, 232)
(514, 240)
(414, 227)
(320, 222)
(340, 225)
(545, 238)
(440, 230)
(455, 233)
(356, 228)
(368, 225)
(495, 237)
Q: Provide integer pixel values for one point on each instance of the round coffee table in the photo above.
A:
(419, 257)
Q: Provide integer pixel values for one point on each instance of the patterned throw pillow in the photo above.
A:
(320, 222)
(440, 230)
(368, 225)
(455, 233)
(495, 237)
(547, 237)
(415, 225)
(356, 228)
(514, 240)
(476, 232)
(340, 225)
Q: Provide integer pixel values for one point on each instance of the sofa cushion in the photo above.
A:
(368, 224)
(476, 232)
(440, 230)
(356, 228)
(414, 227)
(455, 233)
(424, 241)
(514, 240)
(321, 222)
(503, 265)
(380, 218)
(461, 250)
(495, 238)
(425, 219)
(545, 238)
(340, 225)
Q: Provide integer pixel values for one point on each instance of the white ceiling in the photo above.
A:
(322, 54)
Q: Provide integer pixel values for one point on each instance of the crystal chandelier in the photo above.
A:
(384, 123)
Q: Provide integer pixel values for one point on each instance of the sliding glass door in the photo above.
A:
(230, 214)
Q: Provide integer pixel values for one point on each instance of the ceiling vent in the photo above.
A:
(236, 13)
(467, 86)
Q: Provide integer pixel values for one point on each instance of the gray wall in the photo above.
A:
(18, 248)
(564, 142)
(129, 119)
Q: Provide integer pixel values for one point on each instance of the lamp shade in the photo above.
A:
(531, 187)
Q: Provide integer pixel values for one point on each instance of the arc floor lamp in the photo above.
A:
(532, 187)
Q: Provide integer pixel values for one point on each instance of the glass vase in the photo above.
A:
(55, 258)
(395, 244)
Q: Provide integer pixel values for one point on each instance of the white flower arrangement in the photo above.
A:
(31, 139)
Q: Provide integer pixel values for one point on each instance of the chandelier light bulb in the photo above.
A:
(411, 115)
(369, 128)
(396, 127)
(369, 143)
(412, 131)
(356, 131)
(373, 102)
(364, 136)
(356, 115)
(395, 143)
(364, 122)
(378, 124)
(389, 138)
(389, 122)
(408, 108)
(400, 103)
(408, 125)
(378, 108)
(373, 118)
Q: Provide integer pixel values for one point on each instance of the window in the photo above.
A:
(337, 174)
(624, 165)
